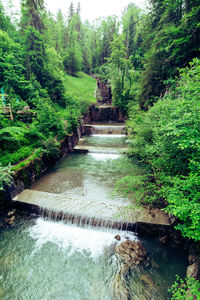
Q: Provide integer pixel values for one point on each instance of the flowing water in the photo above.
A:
(42, 259)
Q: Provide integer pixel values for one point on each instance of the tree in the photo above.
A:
(170, 43)
(130, 20)
(73, 58)
(70, 12)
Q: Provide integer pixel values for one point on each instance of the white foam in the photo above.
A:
(71, 238)
(104, 156)
(109, 135)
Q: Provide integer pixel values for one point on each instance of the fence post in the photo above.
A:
(11, 114)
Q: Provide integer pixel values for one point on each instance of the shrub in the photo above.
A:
(12, 138)
(49, 122)
(188, 288)
(51, 148)
(17, 156)
(5, 176)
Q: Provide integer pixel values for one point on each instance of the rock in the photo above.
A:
(192, 259)
(194, 270)
(118, 237)
(10, 213)
(193, 255)
(164, 239)
(148, 281)
(155, 265)
(132, 253)
(10, 220)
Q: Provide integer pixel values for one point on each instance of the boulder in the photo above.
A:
(193, 258)
(118, 237)
(164, 239)
(194, 270)
(132, 253)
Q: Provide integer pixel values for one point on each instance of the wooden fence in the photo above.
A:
(7, 110)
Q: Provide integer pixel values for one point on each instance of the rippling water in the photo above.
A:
(48, 260)
(45, 260)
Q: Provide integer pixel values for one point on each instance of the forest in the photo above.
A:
(150, 58)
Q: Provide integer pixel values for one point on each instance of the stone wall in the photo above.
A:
(104, 114)
(104, 94)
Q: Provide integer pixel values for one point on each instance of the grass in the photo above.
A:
(36, 154)
(81, 88)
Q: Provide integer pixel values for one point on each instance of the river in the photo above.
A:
(43, 259)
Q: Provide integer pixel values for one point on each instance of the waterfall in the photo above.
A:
(105, 129)
(85, 221)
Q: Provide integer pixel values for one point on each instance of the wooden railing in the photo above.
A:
(6, 110)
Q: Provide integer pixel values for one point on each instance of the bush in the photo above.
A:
(17, 156)
(49, 121)
(51, 148)
(5, 176)
(188, 288)
(12, 138)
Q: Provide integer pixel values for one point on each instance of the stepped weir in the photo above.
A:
(87, 203)
(83, 232)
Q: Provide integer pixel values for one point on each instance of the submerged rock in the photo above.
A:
(12, 219)
(132, 253)
(148, 281)
(164, 239)
(10, 213)
(155, 265)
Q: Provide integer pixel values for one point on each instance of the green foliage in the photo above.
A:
(11, 66)
(48, 121)
(81, 89)
(188, 288)
(4, 122)
(5, 176)
(51, 148)
(166, 138)
(37, 154)
(73, 58)
(12, 138)
(16, 156)
(170, 41)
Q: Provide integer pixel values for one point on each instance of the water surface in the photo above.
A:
(41, 259)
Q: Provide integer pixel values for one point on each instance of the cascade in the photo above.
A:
(113, 129)
(70, 251)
